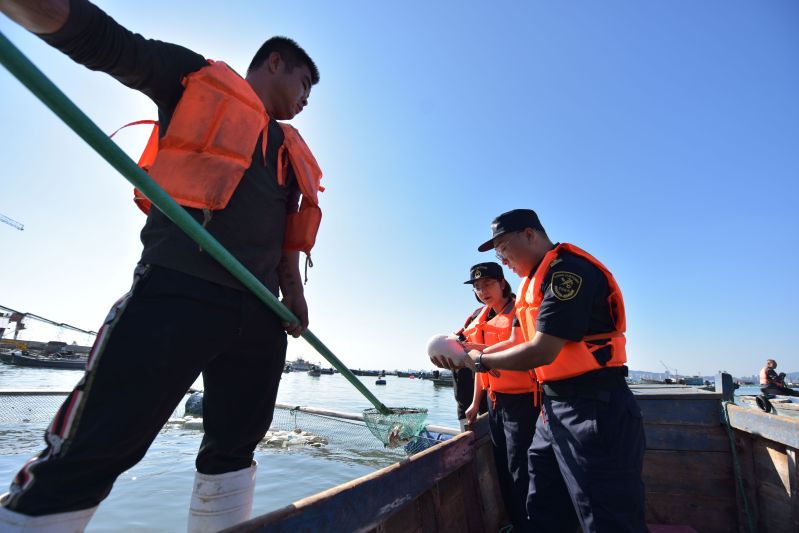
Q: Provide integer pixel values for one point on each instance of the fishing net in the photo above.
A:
(396, 428)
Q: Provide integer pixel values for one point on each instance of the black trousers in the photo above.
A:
(585, 464)
(154, 343)
(512, 424)
(777, 390)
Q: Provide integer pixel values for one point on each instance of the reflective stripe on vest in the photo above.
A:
(209, 145)
(490, 332)
(575, 358)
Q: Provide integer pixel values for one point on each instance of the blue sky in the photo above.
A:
(660, 136)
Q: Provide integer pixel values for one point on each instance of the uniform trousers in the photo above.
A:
(511, 421)
(156, 340)
(585, 462)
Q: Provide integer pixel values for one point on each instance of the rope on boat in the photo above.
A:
(737, 467)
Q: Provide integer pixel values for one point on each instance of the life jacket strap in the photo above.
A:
(308, 264)
(135, 123)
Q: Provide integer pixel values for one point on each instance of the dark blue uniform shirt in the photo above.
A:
(579, 311)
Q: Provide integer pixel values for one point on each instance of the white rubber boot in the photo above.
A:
(71, 522)
(222, 500)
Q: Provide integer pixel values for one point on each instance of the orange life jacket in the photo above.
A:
(764, 376)
(209, 145)
(490, 332)
(575, 358)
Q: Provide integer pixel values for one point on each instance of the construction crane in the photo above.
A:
(11, 222)
(18, 317)
(669, 371)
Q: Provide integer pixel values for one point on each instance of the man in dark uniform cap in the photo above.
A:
(587, 454)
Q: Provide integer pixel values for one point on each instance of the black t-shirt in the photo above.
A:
(575, 304)
(772, 375)
(252, 225)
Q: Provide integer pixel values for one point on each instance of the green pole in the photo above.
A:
(30, 76)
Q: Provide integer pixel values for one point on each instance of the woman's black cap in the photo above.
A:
(484, 270)
(516, 220)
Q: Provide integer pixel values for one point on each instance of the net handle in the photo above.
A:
(46, 91)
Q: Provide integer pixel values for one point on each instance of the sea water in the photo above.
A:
(154, 495)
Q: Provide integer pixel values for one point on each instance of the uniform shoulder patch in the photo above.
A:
(566, 285)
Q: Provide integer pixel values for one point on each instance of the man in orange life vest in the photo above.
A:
(587, 453)
(239, 172)
(773, 383)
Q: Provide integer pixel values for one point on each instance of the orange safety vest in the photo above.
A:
(763, 376)
(575, 358)
(490, 332)
(209, 145)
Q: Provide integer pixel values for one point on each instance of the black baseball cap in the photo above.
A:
(484, 270)
(516, 220)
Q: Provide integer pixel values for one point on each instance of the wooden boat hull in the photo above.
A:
(689, 474)
(449, 487)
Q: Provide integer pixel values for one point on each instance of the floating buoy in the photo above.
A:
(380, 382)
(194, 404)
(447, 347)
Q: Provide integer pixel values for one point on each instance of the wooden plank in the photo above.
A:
(427, 510)
(408, 520)
(673, 392)
(793, 474)
(705, 514)
(697, 412)
(703, 474)
(451, 514)
(780, 429)
(362, 504)
(771, 464)
(494, 513)
(775, 510)
(689, 438)
(471, 508)
(744, 445)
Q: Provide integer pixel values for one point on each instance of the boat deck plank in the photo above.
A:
(772, 427)
(679, 411)
(685, 437)
(695, 473)
(693, 509)
(771, 464)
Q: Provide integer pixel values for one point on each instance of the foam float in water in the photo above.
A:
(273, 438)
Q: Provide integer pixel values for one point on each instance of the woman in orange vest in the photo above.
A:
(512, 406)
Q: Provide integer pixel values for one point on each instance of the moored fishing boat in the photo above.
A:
(56, 361)
(300, 365)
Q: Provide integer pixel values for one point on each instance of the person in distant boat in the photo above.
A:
(773, 383)
(587, 454)
(219, 152)
(513, 403)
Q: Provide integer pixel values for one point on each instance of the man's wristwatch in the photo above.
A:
(478, 365)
